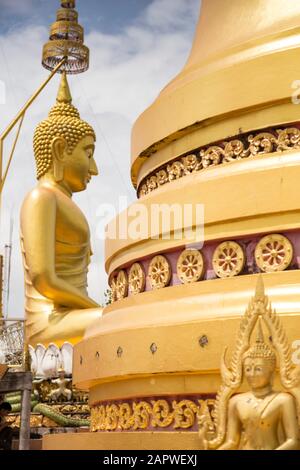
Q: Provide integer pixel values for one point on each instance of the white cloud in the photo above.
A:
(17, 7)
(127, 72)
(169, 15)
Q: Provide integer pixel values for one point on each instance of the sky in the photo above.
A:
(136, 47)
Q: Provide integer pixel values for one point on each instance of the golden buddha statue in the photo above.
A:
(257, 418)
(261, 419)
(55, 235)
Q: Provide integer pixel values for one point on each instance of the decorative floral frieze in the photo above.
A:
(148, 415)
(273, 252)
(262, 143)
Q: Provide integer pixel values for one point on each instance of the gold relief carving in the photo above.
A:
(162, 177)
(144, 190)
(250, 420)
(159, 272)
(175, 170)
(289, 139)
(191, 164)
(11, 420)
(111, 418)
(142, 414)
(185, 413)
(255, 144)
(136, 279)
(113, 287)
(126, 418)
(98, 419)
(235, 150)
(152, 183)
(162, 416)
(36, 421)
(83, 408)
(14, 420)
(95, 420)
(102, 418)
(228, 259)
(121, 288)
(190, 266)
(145, 415)
(261, 143)
(274, 253)
(212, 156)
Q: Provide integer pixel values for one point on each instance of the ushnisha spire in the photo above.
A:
(64, 93)
(63, 108)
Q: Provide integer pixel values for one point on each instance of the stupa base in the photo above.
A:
(123, 441)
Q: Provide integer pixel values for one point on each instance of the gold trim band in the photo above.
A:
(145, 415)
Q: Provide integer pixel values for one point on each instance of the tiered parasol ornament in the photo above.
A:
(66, 41)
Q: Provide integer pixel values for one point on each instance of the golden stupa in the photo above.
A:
(225, 134)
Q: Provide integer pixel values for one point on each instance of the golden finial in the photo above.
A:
(68, 3)
(64, 93)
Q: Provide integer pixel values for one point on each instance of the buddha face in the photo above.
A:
(258, 372)
(77, 167)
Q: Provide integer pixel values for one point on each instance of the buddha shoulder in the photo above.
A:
(285, 398)
(40, 197)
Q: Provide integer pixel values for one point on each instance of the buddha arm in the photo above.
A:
(290, 424)
(233, 428)
(38, 223)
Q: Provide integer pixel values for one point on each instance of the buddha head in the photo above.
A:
(64, 144)
(259, 363)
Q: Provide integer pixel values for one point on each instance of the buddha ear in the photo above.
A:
(58, 148)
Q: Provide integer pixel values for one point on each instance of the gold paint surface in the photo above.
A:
(175, 319)
(238, 208)
(122, 441)
(238, 45)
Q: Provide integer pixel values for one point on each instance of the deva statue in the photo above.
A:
(55, 235)
(263, 418)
